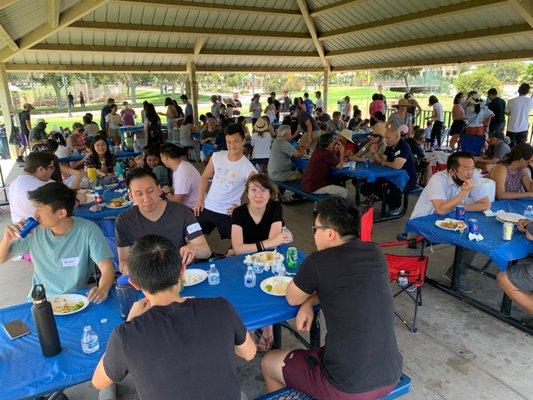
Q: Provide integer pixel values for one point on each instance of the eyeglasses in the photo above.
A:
(258, 190)
(315, 227)
(375, 136)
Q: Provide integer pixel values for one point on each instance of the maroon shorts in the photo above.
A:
(302, 372)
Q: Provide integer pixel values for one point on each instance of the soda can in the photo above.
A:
(30, 224)
(460, 212)
(292, 258)
(508, 228)
(473, 226)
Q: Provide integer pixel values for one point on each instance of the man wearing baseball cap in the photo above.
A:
(497, 150)
(25, 128)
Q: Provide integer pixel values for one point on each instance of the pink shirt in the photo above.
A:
(127, 116)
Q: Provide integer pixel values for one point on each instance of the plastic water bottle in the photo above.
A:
(89, 340)
(249, 278)
(528, 214)
(258, 268)
(126, 295)
(213, 276)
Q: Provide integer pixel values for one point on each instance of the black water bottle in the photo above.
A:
(45, 322)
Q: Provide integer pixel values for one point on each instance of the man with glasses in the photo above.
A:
(350, 280)
(38, 170)
(458, 185)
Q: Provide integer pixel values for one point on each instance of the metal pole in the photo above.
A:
(64, 79)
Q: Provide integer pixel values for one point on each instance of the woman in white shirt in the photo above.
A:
(261, 142)
(437, 118)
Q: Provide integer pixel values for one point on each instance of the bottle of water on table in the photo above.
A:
(249, 278)
(126, 295)
(528, 214)
(213, 276)
(89, 340)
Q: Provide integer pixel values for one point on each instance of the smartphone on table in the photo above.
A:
(15, 329)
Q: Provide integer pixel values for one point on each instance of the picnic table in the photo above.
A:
(119, 155)
(26, 373)
(501, 252)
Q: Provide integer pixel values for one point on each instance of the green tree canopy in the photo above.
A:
(480, 81)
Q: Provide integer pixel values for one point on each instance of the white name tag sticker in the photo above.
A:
(397, 153)
(70, 262)
(193, 228)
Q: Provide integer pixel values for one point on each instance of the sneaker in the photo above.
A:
(395, 211)
(464, 286)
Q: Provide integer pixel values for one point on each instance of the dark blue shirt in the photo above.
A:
(402, 150)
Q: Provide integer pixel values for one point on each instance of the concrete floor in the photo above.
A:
(457, 353)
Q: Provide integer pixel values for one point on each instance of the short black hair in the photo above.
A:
(172, 150)
(453, 160)
(184, 97)
(232, 129)
(432, 100)
(138, 173)
(339, 214)
(57, 195)
(375, 96)
(523, 89)
(492, 92)
(324, 140)
(319, 109)
(154, 263)
(306, 94)
(37, 159)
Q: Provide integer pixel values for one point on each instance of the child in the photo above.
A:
(427, 133)
(152, 162)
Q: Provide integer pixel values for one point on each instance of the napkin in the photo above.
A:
(475, 236)
(490, 213)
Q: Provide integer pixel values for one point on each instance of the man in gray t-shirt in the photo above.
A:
(154, 216)
(280, 164)
(497, 150)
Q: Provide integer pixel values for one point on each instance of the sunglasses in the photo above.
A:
(316, 227)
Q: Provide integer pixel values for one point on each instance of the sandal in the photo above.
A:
(265, 343)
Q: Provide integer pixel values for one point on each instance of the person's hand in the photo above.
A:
(138, 308)
(165, 189)
(187, 254)
(198, 207)
(467, 186)
(231, 252)
(373, 148)
(304, 318)
(97, 295)
(284, 237)
(230, 210)
(11, 232)
(522, 224)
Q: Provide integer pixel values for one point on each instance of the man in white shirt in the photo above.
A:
(38, 169)
(185, 178)
(518, 111)
(319, 103)
(230, 170)
(458, 185)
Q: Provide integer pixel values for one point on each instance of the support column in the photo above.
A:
(133, 87)
(191, 69)
(7, 107)
(325, 89)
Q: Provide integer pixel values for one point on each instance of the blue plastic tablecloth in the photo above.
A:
(24, 372)
(119, 155)
(396, 176)
(500, 251)
(82, 210)
(136, 128)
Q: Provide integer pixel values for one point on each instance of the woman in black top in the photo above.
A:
(100, 156)
(257, 226)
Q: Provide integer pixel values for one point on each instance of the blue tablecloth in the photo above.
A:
(500, 251)
(82, 210)
(396, 176)
(24, 372)
(134, 128)
(119, 155)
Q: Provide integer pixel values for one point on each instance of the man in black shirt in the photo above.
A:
(497, 106)
(174, 348)
(25, 128)
(350, 280)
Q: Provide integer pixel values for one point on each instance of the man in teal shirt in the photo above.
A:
(64, 249)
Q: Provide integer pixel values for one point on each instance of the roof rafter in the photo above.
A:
(302, 4)
(525, 9)
(334, 6)
(4, 36)
(214, 7)
(200, 41)
(42, 32)
(7, 3)
(105, 26)
(412, 17)
(170, 50)
(478, 58)
(53, 9)
(444, 39)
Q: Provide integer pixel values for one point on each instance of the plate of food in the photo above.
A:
(194, 276)
(121, 202)
(276, 285)
(67, 304)
(509, 217)
(264, 258)
(451, 224)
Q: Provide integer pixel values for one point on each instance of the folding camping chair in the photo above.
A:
(413, 268)
(472, 143)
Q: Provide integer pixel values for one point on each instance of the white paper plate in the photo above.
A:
(509, 217)
(440, 223)
(126, 204)
(68, 299)
(273, 284)
(194, 276)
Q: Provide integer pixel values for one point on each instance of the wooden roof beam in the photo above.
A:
(7, 3)
(53, 9)
(4, 36)
(74, 13)
(444, 39)
(169, 50)
(464, 58)
(187, 30)
(302, 4)
(191, 5)
(335, 6)
(525, 9)
(200, 41)
(455, 8)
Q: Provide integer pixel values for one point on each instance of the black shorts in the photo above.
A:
(458, 127)
(521, 276)
(210, 220)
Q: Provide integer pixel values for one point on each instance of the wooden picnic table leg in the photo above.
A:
(456, 268)
(314, 334)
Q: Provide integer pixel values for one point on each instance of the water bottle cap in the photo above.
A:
(87, 328)
(211, 265)
(123, 280)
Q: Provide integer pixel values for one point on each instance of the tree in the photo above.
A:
(480, 81)
(401, 73)
(54, 80)
(506, 71)
(527, 75)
